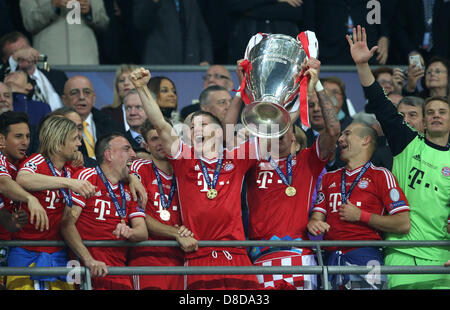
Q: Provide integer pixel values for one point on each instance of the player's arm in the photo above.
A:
(13, 222)
(73, 239)
(34, 182)
(168, 135)
(14, 191)
(398, 134)
(327, 140)
(181, 234)
(137, 190)
(317, 224)
(396, 223)
(137, 232)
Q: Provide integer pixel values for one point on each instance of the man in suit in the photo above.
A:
(17, 54)
(135, 116)
(80, 95)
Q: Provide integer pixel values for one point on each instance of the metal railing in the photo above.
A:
(320, 269)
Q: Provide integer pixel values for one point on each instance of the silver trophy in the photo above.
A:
(272, 84)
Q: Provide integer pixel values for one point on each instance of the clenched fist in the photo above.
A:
(140, 77)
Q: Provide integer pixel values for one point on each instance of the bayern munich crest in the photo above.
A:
(446, 171)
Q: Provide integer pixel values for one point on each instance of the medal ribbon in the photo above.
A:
(67, 195)
(216, 173)
(345, 196)
(287, 179)
(121, 210)
(161, 189)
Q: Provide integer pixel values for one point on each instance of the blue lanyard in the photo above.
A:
(216, 173)
(345, 196)
(122, 211)
(67, 195)
(287, 179)
(161, 189)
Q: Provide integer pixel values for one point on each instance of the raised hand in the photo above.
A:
(358, 46)
(140, 77)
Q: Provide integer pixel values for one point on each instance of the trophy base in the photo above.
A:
(265, 119)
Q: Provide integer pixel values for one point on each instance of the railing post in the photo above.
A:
(324, 268)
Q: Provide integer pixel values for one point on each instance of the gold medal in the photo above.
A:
(212, 193)
(290, 191)
(164, 215)
(122, 221)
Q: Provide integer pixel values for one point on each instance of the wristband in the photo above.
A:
(318, 86)
(365, 217)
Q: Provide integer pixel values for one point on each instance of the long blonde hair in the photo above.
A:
(53, 134)
(117, 101)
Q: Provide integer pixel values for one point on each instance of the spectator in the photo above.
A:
(80, 95)
(216, 100)
(22, 87)
(17, 54)
(384, 76)
(104, 216)
(6, 98)
(47, 176)
(135, 118)
(279, 201)
(335, 87)
(163, 217)
(395, 98)
(122, 85)
(420, 26)
(219, 192)
(421, 168)
(435, 83)
(65, 30)
(411, 108)
(350, 212)
(166, 96)
(335, 19)
(14, 141)
(174, 33)
(278, 16)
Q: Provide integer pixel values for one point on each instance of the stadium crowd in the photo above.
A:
(142, 169)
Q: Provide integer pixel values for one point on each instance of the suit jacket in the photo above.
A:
(169, 39)
(103, 126)
(136, 147)
(116, 115)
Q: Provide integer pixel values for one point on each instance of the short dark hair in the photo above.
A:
(203, 98)
(103, 144)
(11, 37)
(147, 126)
(9, 118)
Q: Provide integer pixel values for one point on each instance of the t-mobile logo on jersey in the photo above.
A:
(104, 209)
(204, 185)
(158, 204)
(335, 202)
(264, 178)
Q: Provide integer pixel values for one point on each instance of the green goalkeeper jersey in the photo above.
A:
(422, 170)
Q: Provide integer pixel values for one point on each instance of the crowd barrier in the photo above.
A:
(321, 269)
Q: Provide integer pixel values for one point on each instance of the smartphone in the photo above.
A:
(415, 60)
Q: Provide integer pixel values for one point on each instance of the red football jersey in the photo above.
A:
(377, 192)
(271, 211)
(144, 169)
(9, 170)
(99, 217)
(219, 218)
(52, 201)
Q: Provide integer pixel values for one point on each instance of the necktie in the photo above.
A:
(139, 139)
(88, 140)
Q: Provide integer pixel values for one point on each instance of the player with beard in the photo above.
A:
(109, 214)
(47, 176)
